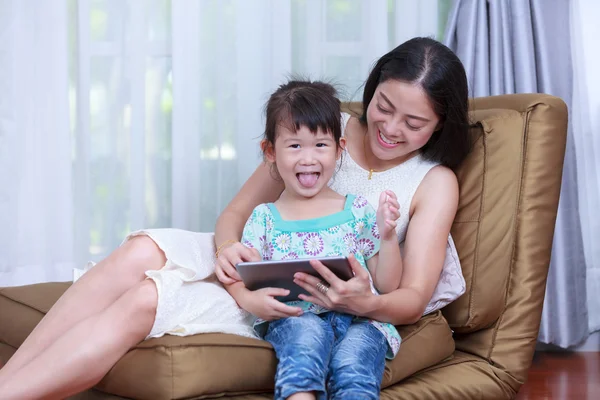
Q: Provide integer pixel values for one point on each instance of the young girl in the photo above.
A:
(303, 143)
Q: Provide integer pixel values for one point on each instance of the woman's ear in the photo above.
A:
(341, 147)
(268, 150)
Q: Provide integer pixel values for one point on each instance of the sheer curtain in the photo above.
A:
(585, 116)
(170, 96)
(36, 235)
(165, 101)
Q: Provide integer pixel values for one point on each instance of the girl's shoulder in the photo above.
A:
(261, 213)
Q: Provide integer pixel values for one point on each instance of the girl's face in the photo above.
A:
(400, 120)
(305, 161)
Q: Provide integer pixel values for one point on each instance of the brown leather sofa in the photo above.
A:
(479, 347)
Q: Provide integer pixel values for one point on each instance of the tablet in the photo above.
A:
(280, 274)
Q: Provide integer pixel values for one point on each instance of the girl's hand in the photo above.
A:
(352, 296)
(229, 256)
(263, 304)
(387, 215)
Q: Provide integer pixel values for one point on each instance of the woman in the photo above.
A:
(412, 132)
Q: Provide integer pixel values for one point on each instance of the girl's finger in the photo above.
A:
(314, 300)
(288, 311)
(273, 292)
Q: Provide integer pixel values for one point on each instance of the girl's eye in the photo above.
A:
(383, 110)
(321, 144)
(294, 146)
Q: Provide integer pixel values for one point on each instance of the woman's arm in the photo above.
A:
(260, 188)
(433, 209)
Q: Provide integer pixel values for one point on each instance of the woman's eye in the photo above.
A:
(383, 110)
(413, 128)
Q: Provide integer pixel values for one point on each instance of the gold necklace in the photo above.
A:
(371, 170)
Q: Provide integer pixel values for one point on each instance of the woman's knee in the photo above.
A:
(140, 253)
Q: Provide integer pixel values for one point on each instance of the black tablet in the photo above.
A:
(280, 274)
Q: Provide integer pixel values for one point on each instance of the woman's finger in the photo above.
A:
(358, 270)
(222, 277)
(313, 292)
(326, 273)
(247, 254)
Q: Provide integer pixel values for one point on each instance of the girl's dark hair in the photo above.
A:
(301, 103)
(442, 76)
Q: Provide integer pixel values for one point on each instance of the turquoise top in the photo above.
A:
(350, 231)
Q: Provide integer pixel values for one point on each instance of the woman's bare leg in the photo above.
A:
(92, 293)
(87, 351)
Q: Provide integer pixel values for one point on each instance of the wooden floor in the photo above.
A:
(563, 376)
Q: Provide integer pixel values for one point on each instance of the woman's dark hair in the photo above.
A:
(442, 76)
(301, 103)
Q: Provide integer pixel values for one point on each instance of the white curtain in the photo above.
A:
(585, 117)
(166, 100)
(36, 219)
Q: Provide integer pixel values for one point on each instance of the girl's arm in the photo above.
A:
(386, 265)
(433, 209)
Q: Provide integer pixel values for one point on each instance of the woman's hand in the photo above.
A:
(229, 256)
(353, 296)
(263, 304)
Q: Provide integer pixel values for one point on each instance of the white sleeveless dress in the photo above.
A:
(190, 298)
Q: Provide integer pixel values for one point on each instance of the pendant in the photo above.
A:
(370, 174)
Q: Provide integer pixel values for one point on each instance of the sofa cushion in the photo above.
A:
(175, 367)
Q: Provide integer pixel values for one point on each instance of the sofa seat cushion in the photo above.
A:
(207, 365)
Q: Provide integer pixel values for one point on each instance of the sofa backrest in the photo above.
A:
(509, 190)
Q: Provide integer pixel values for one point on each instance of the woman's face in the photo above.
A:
(400, 120)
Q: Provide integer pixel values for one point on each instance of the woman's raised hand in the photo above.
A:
(230, 255)
(350, 296)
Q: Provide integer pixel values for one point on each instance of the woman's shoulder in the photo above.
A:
(439, 187)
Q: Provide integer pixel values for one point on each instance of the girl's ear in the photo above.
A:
(341, 147)
(268, 150)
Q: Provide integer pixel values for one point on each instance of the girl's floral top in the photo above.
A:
(350, 231)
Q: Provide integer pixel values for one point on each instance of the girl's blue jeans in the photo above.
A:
(328, 354)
